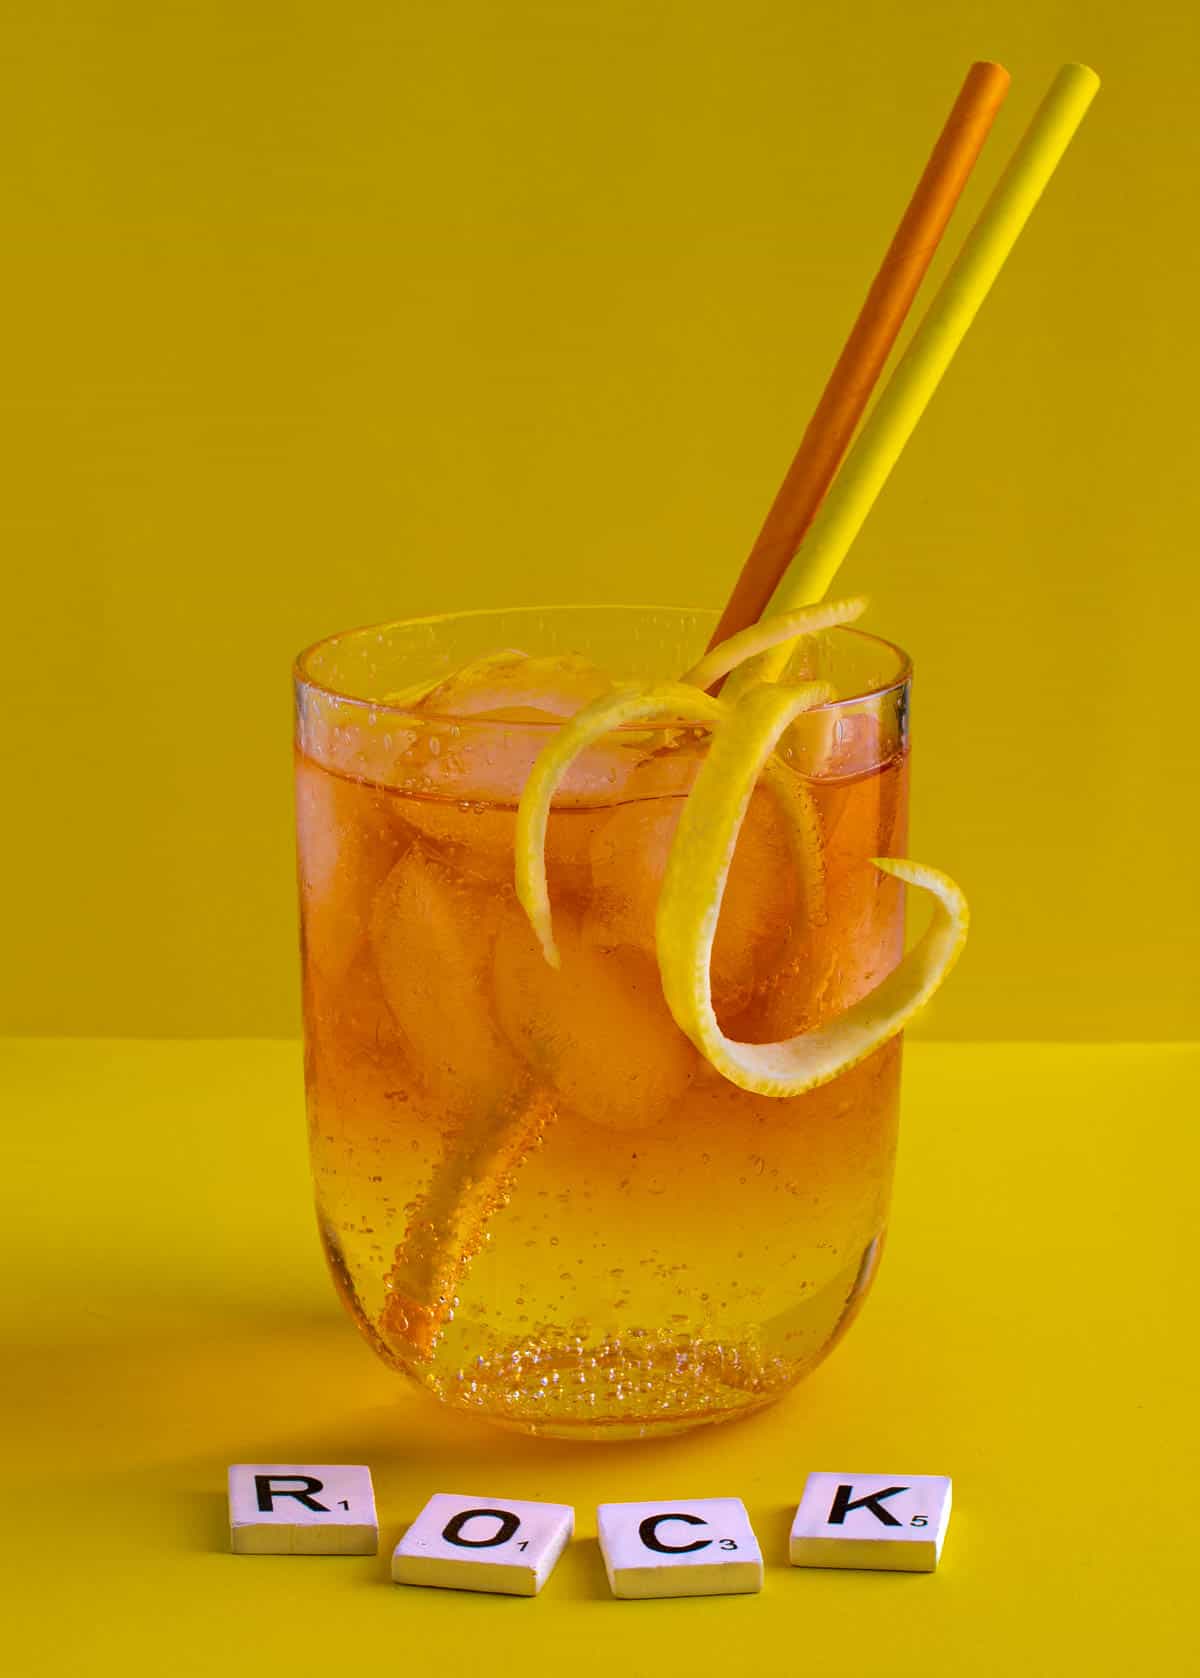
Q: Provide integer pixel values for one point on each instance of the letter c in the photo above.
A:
(648, 1533)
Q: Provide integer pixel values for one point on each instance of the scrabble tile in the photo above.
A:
(895, 1521)
(293, 1509)
(483, 1544)
(704, 1547)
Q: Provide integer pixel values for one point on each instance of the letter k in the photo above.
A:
(842, 1505)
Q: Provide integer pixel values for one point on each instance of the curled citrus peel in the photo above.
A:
(745, 732)
(772, 632)
(739, 653)
(628, 702)
(690, 904)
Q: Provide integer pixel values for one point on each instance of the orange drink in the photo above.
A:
(537, 1197)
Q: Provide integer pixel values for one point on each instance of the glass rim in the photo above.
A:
(311, 684)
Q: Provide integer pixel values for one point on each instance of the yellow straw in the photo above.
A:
(865, 469)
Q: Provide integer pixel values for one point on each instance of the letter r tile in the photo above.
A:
(702, 1547)
(295, 1509)
(894, 1521)
(496, 1544)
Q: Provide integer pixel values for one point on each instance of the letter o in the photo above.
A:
(509, 1525)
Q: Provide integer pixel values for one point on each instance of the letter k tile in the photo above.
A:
(895, 1521)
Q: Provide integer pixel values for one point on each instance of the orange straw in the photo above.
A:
(867, 348)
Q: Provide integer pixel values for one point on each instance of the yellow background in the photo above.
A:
(320, 314)
(1029, 1334)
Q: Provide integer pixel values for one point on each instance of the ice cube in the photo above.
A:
(347, 840)
(844, 741)
(512, 687)
(597, 1028)
(472, 838)
(432, 934)
(482, 729)
(477, 840)
(629, 858)
(348, 1018)
(465, 777)
(828, 965)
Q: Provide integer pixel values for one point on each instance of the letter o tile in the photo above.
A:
(498, 1544)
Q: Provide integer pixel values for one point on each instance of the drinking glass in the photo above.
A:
(536, 1198)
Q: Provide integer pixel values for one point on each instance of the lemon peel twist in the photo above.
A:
(771, 632)
(690, 904)
(629, 702)
(745, 732)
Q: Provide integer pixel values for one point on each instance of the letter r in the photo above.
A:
(271, 1486)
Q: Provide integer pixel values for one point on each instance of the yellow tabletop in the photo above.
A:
(1031, 1334)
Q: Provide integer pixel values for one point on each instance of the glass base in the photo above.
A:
(647, 1387)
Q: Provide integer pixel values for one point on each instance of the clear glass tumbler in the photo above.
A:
(536, 1198)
